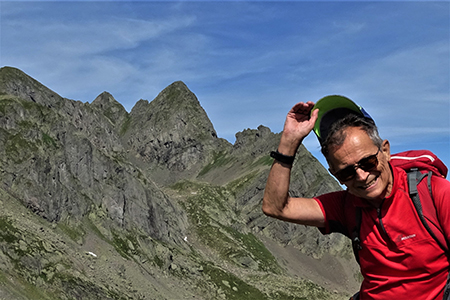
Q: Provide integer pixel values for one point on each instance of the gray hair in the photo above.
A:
(337, 133)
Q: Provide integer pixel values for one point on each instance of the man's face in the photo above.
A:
(373, 184)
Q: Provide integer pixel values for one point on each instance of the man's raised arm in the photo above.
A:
(276, 202)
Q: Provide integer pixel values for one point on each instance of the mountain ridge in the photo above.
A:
(169, 206)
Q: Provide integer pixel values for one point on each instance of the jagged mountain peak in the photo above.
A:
(105, 97)
(12, 74)
(176, 110)
(177, 103)
(177, 89)
(17, 83)
(172, 131)
(105, 100)
(176, 96)
(179, 85)
(110, 107)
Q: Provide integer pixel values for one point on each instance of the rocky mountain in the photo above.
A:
(101, 203)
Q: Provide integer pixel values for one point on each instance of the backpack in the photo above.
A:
(418, 164)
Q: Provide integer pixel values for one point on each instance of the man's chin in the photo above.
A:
(372, 195)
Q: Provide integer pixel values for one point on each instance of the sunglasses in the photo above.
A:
(366, 164)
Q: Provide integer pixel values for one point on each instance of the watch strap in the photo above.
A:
(282, 158)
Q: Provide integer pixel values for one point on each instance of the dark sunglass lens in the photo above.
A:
(346, 174)
(368, 163)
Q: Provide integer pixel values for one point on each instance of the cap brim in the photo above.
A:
(329, 103)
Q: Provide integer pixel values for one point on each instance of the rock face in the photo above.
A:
(71, 161)
(99, 203)
(171, 133)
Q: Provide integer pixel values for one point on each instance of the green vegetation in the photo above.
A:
(8, 232)
(48, 140)
(77, 288)
(125, 125)
(19, 149)
(21, 289)
(30, 132)
(242, 249)
(75, 232)
(26, 253)
(231, 286)
(28, 105)
(6, 101)
(263, 161)
(303, 290)
(210, 209)
(242, 182)
(220, 159)
(123, 245)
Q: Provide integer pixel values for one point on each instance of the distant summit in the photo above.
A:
(172, 132)
(112, 109)
(15, 82)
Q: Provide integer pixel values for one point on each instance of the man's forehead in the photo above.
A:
(356, 143)
(353, 135)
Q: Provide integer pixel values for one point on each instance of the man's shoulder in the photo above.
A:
(440, 181)
(440, 187)
(336, 195)
(339, 211)
(341, 200)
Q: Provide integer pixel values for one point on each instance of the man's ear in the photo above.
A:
(386, 148)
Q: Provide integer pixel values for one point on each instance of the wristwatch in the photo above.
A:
(282, 158)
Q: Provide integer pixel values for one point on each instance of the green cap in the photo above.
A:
(332, 108)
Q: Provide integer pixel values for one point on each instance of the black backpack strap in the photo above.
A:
(356, 241)
(429, 184)
(414, 177)
(447, 289)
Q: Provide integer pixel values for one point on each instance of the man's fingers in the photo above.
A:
(315, 115)
(302, 108)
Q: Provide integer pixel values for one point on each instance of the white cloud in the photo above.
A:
(78, 37)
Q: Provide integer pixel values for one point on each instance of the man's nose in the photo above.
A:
(361, 175)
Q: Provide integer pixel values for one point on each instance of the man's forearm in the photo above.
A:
(276, 193)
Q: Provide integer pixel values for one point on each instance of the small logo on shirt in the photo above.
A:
(404, 238)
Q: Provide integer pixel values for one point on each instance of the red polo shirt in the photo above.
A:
(399, 259)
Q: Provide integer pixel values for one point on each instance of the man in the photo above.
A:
(398, 257)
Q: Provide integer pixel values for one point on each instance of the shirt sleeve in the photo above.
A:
(334, 206)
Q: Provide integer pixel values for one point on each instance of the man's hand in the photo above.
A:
(299, 123)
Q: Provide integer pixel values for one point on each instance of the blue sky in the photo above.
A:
(247, 62)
